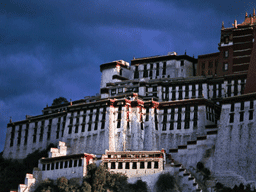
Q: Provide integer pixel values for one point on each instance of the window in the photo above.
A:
(195, 115)
(61, 165)
(186, 91)
(52, 166)
(187, 116)
(231, 118)
(182, 63)
(151, 70)
(142, 166)
(57, 165)
(120, 165)
(156, 122)
(242, 106)
(157, 69)
(43, 167)
(145, 72)
(70, 163)
(172, 118)
(136, 72)
(225, 66)
(113, 91)
(127, 165)
(193, 91)
(226, 40)
(48, 166)
(75, 163)
(134, 165)
(58, 129)
(147, 113)
(156, 165)
(26, 135)
(149, 165)
(250, 115)
(241, 116)
(173, 93)
(180, 92)
(225, 54)
(76, 129)
(80, 162)
(113, 165)
(49, 129)
(66, 164)
(164, 68)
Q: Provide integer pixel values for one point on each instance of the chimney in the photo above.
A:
(235, 23)
(246, 14)
(222, 26)
(251, 19)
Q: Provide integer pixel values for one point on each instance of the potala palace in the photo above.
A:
(171, 109)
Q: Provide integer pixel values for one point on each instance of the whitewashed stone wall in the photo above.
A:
(235, 146)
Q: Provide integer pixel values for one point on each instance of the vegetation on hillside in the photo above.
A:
(241, 188)
(98, 179)
(165, 183)
(13, 172)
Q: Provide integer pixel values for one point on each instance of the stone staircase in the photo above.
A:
(195, 150)
(184, 178)
(188, 155)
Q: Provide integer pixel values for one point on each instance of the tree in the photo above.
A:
(46, 186)
(86, 187)
(62, 184)
(60, 100)
(99, 179)
(165, 182)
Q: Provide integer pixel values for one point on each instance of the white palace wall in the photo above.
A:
(235, 146)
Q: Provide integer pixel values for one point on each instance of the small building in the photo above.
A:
(134, 163)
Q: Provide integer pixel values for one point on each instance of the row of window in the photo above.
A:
(149, 72)
(180, 91)
(126, 90)
(90, 122)
(62, 164)
(35, 132)
(241, 113)
(210, 72)
(134, 165)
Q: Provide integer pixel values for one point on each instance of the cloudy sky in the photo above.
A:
(54, 48)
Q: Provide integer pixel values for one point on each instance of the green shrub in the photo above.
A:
(165, 182)
(200, 166)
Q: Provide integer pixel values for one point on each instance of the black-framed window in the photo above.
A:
(142, 165)
(127, 165)
(120, 165)
(226, 54)
(145, 71)
(156, 165)
(157, 69)
(225, 66)
(113, 165)
(149, 165)
(136, 72)
(134, 165)
(164, 68)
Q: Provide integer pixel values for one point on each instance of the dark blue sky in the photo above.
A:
(54, 48)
